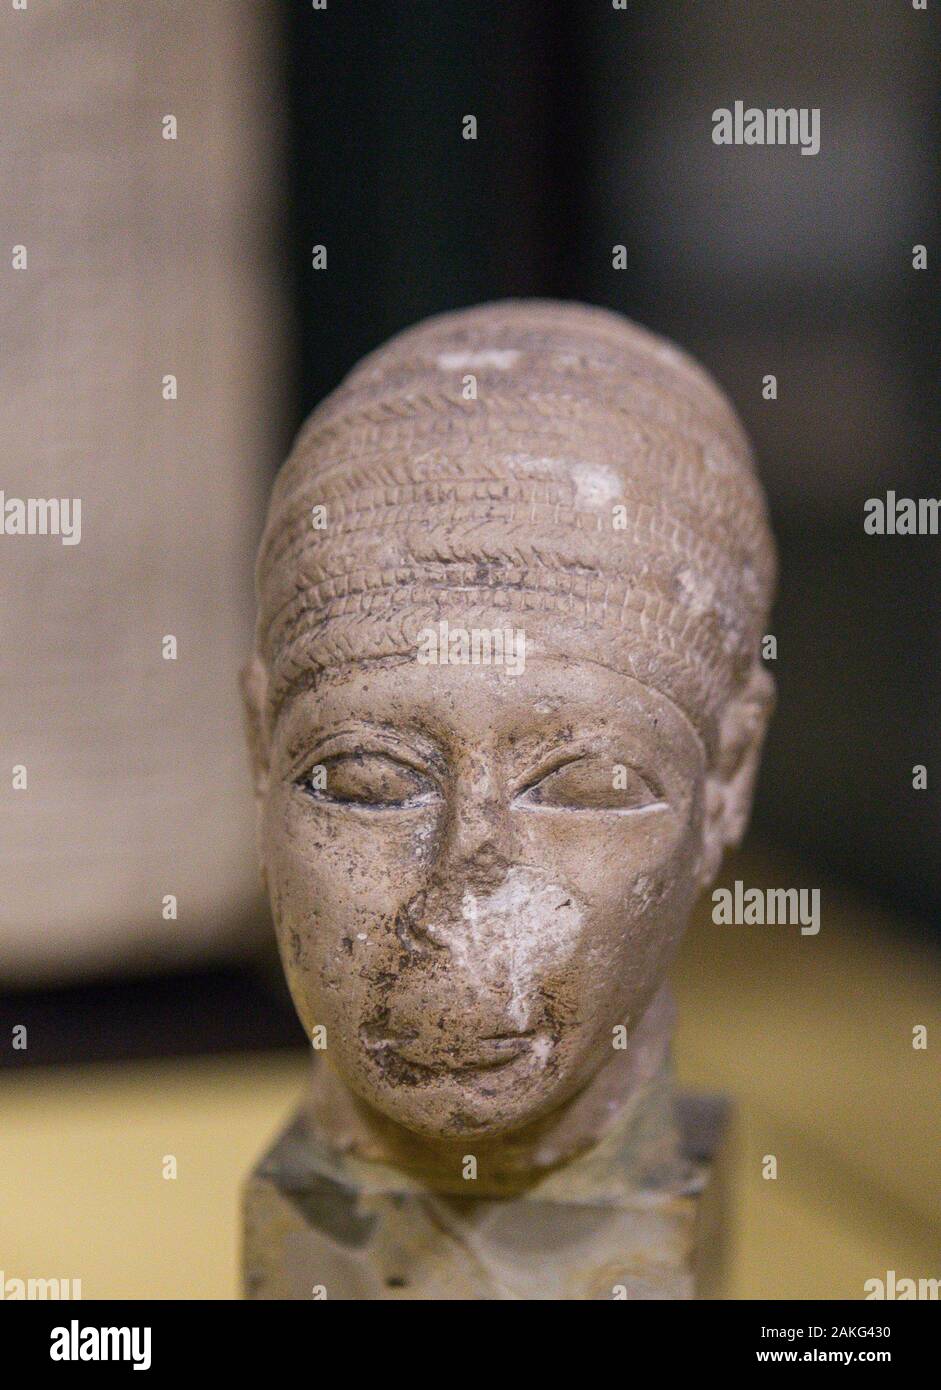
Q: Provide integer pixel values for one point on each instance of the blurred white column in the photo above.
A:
(148, 257)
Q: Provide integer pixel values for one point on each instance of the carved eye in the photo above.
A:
(592, 784)
(367, 779)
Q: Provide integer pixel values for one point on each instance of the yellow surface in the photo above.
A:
(811, 1035)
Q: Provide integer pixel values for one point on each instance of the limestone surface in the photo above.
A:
(505, 708)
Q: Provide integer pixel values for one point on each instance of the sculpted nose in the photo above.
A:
(475, 851)
(477, 845)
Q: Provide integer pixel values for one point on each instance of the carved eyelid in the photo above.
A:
(536, 780)
(328, 754)
(343, 755)
(430, 777)
(533, 779)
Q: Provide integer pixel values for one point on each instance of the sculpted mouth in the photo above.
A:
(489, 1053)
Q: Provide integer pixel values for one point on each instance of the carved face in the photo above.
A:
(479, 873)
(476, 877)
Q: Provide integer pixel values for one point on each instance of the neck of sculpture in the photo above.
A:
(627, 1103)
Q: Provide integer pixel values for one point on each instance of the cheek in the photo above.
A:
(626, 861)
(335, 885)
(637, 876)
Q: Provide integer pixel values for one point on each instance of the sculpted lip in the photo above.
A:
(488, 1054)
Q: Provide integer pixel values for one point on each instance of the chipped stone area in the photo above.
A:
(528, 927)
(500, 360)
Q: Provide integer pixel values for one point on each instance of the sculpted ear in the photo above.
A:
(731, 781)
(254, 683)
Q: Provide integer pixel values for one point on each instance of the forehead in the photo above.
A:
(476, 705)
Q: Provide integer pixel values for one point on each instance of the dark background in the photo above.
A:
(594, 130)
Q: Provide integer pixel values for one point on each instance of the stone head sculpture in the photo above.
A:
(505, 706)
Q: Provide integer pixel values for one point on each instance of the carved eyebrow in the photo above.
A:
(353, 736)
(546, 767)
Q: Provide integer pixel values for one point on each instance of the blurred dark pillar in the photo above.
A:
(594, 130)
(416, 219)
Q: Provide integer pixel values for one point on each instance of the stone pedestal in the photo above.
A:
(633, 1219)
